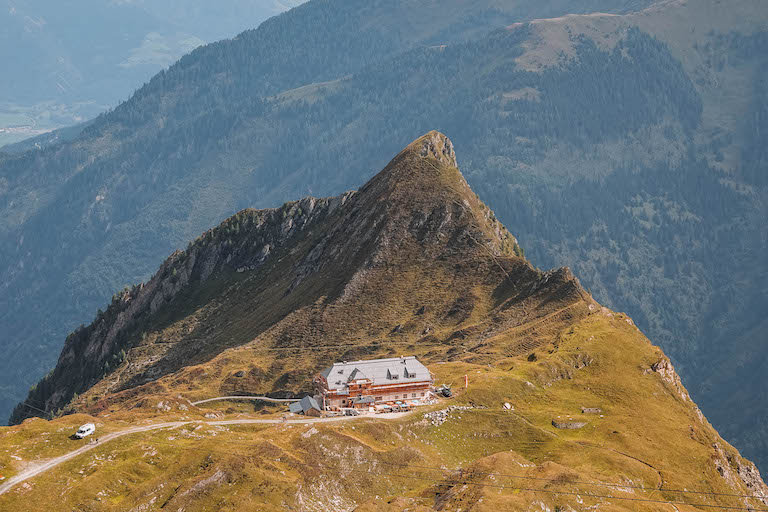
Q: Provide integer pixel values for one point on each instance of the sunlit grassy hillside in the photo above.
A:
(412, 263)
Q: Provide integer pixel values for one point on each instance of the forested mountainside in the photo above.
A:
(566, 405)
(162, 163)
(626, 146)
(65, 62)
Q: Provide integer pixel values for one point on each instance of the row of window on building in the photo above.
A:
(398, 397)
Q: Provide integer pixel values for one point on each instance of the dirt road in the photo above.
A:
(51, 463)
(262, 398)
(42, 467)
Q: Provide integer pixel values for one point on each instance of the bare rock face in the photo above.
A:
(438, 146)
(749, 474)
(668, 374)
(568, 425)
(734, 468)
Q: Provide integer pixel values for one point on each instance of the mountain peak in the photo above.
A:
(425, 170)
(435, 145)
(422, 189)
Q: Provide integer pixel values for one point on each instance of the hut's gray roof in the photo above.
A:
(303, 405)
(394, 370)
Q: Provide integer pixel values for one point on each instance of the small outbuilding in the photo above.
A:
(307, 406)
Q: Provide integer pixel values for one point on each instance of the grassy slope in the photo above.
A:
(649, 436)
(534, 340)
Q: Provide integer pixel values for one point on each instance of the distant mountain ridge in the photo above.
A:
(623, 146)
(67, 63)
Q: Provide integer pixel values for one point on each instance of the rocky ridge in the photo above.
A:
(357, 232)
(242, 243)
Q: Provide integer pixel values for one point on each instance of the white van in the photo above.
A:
(85, 430)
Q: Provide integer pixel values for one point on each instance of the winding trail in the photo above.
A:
(242, 397)
(52, 463)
